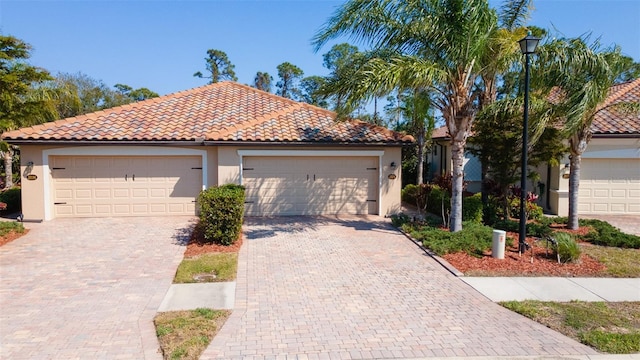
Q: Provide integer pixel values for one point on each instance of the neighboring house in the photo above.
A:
(154, 157)
(610, 171)
(440, 163)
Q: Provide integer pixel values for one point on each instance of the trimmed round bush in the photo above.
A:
(221, 213)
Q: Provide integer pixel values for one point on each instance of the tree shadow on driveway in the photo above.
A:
(256, 228)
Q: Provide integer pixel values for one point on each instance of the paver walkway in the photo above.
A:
(357, 289)
(87, 288)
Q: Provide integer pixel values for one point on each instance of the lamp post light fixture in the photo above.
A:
(528, 46)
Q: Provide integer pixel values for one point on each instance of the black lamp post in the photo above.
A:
(528, 46)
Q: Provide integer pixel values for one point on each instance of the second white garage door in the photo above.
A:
(100, 186)
(609, 186)
(310, 185)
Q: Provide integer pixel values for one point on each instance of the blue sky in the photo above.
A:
(160, 44)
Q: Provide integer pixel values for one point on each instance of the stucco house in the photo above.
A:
(153, 158)
(610, 171)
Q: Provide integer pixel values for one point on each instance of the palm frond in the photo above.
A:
(515, 13)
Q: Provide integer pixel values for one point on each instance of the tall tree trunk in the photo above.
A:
(574, 184)
(8, 168)
(457, 158)
(420, 169)
(578, 143)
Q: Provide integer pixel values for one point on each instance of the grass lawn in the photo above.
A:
(608, 327)
(186, 334)
(8, 226)
(223, 265)
(619, 262)
(10, 230)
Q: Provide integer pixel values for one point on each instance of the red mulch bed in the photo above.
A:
(544, 263)
(198, 245)
(12, 235)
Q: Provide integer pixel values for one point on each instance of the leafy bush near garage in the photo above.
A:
(221, 213)
(398, 220)
(409, 193)
(13, 198)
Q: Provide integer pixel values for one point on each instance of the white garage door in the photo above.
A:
(310, 185)
(609, 186)
(100, 186)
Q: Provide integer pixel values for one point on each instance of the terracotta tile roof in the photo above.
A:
(614, 121)
(440, 133)
(224, 111)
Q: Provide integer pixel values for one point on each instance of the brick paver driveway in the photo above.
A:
(357, 289)
(87, 288)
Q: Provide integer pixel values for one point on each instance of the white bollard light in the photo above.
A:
(497, 247)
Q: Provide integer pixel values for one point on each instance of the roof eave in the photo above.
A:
(195, 142)
(616, 135)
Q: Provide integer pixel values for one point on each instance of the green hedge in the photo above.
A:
(221, 213)
(473, 239)
(13, 199)
(606, 234)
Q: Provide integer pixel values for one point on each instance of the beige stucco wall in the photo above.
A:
(226, 171)
(32, 190)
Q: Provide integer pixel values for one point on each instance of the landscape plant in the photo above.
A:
(221, 213)
(566, 247)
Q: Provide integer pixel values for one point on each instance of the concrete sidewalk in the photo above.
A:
(215, 295)
(556, 289)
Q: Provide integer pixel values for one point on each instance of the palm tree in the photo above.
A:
(582, 75)
(439, 45)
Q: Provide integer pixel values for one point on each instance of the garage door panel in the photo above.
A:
(609, 186)
(105, 186)
(140, 193)
(618, 193)
(310, 185)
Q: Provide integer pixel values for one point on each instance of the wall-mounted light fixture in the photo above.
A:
(393, 165)
(28, 169)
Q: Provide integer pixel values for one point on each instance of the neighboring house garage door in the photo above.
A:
(100, 186)
(310, 185)
(609, 186)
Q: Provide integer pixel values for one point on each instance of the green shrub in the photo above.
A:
(533, 210)
(491, 210)
(536, 229)
(400, 219)
(567, 247)
(473, 239)
(409, 193)
(472, 208)
(606, 234)
(13, 198)
(437, 198)
(221, 213)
